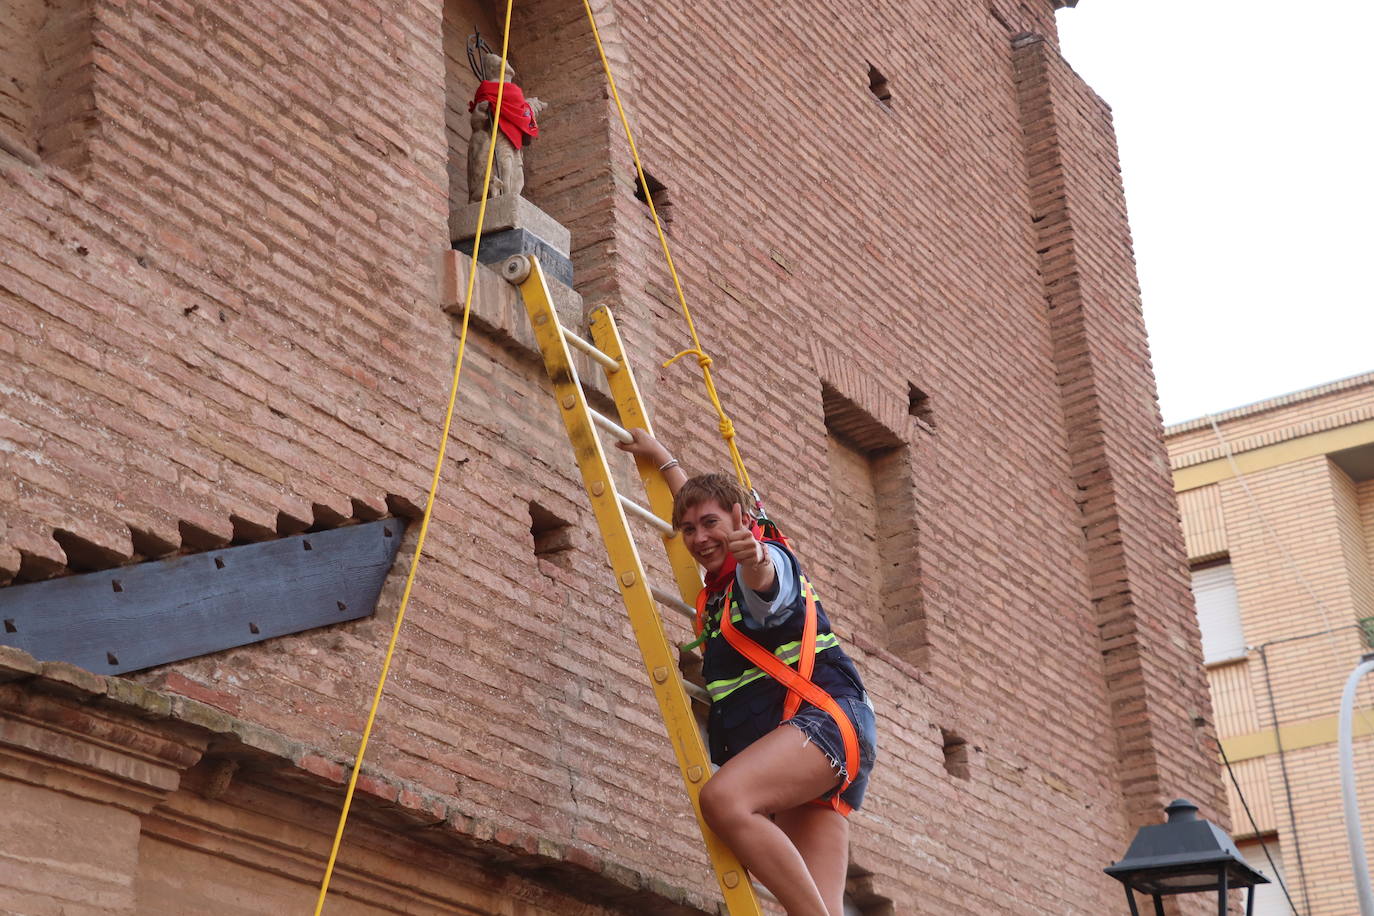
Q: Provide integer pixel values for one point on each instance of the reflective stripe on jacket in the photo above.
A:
(726, 670)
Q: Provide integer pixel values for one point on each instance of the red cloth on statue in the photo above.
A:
(517, 119)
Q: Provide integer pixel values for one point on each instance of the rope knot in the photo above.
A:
(699, 354)
(703, 360)
(727, 429)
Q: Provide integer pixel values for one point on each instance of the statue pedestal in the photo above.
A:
(513, 225)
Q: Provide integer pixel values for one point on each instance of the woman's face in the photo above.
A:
(705, 532)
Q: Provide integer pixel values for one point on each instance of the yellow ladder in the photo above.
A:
(611, 509)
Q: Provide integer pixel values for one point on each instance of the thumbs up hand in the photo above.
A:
(741, 540)
(756, 567)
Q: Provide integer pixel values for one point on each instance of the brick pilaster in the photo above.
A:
(1136, 569)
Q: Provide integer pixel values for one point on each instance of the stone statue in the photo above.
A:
(516, 128)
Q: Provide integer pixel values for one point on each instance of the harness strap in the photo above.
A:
(806, 663)
(797, 681)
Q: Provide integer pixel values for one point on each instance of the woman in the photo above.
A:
(785, 783)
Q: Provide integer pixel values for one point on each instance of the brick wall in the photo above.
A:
(1323, 407)
(46, 103)
(1366, 497)
(854, 560)
(23, 67)
(1135, 567)
(228, 329)
(1295, 531)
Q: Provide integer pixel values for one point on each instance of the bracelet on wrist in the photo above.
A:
(670, 463)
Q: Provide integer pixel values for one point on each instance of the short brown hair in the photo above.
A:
(723, 488)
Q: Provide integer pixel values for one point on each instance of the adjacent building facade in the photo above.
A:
(1277, 500)
(226, 300)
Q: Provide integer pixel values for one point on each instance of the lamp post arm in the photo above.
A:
(1358, 862)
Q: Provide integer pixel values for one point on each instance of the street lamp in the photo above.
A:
(1186, 855)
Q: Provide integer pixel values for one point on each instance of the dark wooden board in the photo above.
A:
(139, 616)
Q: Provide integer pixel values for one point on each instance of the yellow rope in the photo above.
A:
(434, 483)
(727, 428)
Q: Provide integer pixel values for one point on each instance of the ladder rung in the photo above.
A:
(590, 349)
(635, 509)
(610, 426)
(697, 694)
(674, 602)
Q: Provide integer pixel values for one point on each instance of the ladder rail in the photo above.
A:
(660, 657)
(625, 392)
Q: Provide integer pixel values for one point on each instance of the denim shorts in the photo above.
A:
(820, 729)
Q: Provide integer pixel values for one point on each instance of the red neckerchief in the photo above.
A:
(720, 580)
(517, 119)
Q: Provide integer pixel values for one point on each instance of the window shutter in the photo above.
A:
(1269, 898)
(1218, 613)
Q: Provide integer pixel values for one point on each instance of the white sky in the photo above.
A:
(1245, 131)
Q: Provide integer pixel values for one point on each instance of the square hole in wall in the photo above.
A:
(860, 896)
(653, 189)
(956, 754)
(877, 84)
(553, 536)
(918, 405)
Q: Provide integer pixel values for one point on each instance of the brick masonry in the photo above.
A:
(227, 326)
(136, 787)
(1296, 530)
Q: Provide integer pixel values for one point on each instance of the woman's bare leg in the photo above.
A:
(776, 773)
(821, 836)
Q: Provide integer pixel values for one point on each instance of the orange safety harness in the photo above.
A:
(797, 680)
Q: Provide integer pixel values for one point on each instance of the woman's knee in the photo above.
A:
(720, 806)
